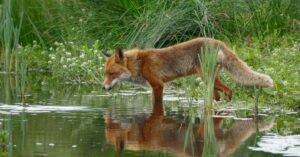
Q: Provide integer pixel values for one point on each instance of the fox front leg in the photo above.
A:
(157, 94)
(157, 99)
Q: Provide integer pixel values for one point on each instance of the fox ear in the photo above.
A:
(119, 55)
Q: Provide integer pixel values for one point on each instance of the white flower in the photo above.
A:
(35, 46)
(64, 66)
(72, 64)
(83, 64)
(81, 55)
(49, 62)
(52, 56)
(284, 83)
(68, 53)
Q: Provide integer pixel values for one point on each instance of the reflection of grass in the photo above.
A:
(9, 37)
(3, 144)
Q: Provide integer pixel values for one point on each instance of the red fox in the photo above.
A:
(154, 67)
(161, 133)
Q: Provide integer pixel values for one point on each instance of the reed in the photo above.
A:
(9, 35)
(209, 67)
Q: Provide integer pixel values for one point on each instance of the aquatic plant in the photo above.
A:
(207, 58)
(9, 35)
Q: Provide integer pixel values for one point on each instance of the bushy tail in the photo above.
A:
(240, 71)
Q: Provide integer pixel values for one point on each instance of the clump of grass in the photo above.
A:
(55, 20)
(207, 58)
(145, 25)
(152, 23)
(235, 20)
(9, 36)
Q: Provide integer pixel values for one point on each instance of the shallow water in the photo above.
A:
(71, 121)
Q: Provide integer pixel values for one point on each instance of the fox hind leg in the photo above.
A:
(220, 86)
(216, 94)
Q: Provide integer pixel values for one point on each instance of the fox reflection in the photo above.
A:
(158, 132)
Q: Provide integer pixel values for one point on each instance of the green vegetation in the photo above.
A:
(209, 68)
(3, 137)
(64, 39)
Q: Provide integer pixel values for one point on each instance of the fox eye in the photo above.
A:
(111, 73)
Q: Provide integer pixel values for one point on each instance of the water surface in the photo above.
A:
(68, 121)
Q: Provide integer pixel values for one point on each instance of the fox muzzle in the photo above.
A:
(111, 85)
(106, 88)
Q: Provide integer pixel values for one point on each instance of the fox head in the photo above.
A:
(115, 69)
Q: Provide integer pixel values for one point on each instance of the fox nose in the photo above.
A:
(104, 88)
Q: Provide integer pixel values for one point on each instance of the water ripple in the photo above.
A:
(277, 144)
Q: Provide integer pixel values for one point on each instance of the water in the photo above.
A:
(76, 121)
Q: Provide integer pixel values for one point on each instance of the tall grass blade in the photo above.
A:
(207, 58)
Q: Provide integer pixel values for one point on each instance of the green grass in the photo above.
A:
(150, 23)
(208, 61)
(58, 37)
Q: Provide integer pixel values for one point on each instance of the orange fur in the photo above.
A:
(154, 67)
